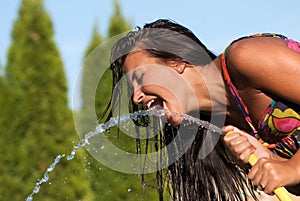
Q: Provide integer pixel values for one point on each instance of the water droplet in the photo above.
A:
(29, 198)
(105, 127)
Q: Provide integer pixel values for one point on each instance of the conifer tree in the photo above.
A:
(107, 183)
(41, 124)
(7, 142)
(4, 97)
(118, 24)
(93, 63)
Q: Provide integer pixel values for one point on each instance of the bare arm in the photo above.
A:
(270, 66)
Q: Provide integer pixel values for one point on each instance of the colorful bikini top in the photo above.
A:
(279, 127)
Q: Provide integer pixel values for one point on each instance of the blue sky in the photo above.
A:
(215, 22)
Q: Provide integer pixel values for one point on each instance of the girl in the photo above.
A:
(252, 86)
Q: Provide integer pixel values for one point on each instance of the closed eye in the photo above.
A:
(138, 76)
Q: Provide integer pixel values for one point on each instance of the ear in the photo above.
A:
(180, 67)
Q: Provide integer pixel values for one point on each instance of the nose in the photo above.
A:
(138, 96)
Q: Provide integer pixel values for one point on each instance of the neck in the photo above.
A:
(209, 87)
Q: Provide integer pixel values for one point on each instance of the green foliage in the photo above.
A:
(89, 82)
(5, 101)
(96, 92)
(36, 123)
(39, 121)
(7, 145)
(118, 24)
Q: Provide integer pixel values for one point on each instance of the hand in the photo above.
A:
(271, 170)
(243, 144)
(273, 173)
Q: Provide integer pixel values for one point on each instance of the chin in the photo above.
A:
(174, 119)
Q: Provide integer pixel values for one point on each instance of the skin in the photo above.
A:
(271, 56)
(159, 79)
(257, 80)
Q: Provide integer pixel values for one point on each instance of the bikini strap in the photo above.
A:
(234, 90)
(237, 98)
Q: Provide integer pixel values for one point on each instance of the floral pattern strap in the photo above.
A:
(237, 98)
(280, 125)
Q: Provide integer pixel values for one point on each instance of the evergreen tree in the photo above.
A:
(118, 24)
(8, 143)
(96, 70)
(1, 69)
(4, 97)
(107, 184)
(90, 77)
(41, 122)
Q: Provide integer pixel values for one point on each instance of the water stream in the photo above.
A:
(115, 121)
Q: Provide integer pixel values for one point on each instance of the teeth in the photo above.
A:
(156, 107)
(149, 103)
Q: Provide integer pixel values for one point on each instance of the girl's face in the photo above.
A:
(158, 85)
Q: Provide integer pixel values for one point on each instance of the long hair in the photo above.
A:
(216, 176)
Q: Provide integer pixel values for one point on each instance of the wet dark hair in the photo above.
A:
(165, 40)
(215, 177)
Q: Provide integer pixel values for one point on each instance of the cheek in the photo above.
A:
(164, 84)
(158, 90)
(169, 96)
(158, 84)
(161, 78)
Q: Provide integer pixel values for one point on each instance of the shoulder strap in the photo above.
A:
(234, 90)
(237, 98)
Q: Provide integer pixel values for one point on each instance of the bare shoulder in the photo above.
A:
(267, 64)
(250, 49)
(252, 57)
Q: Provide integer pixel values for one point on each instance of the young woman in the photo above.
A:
(253, 86)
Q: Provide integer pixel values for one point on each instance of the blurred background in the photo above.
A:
(43, 46)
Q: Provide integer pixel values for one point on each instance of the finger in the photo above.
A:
(266, 186)
(263, 184)
(230, 137)
(235, 139)
(227, 129)
(269, 189)
(240, 146)
(256, 180)
(244, 156)
(238, 143)
(253, 173)
(257, 172)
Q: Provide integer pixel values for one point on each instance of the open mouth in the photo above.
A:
(159, 104)
(156, 103)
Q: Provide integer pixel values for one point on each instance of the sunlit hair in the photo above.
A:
(165, 40)
(215, 177)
